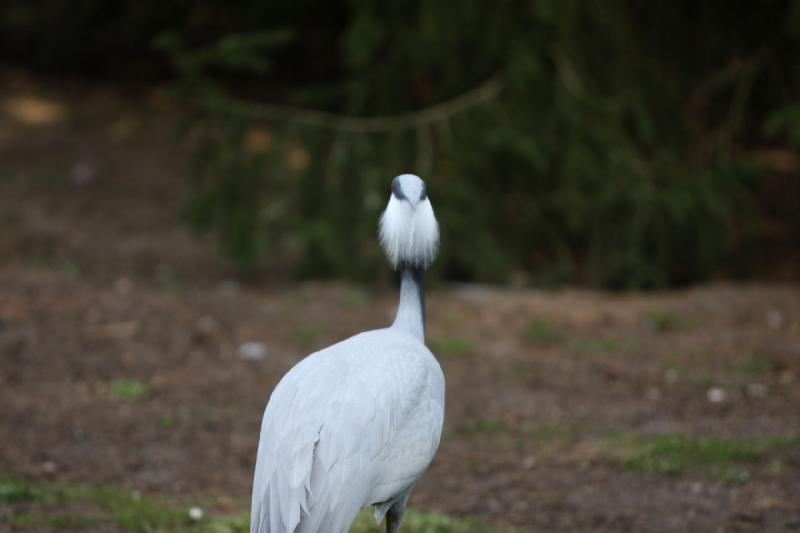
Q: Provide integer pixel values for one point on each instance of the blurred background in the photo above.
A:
(189, 194)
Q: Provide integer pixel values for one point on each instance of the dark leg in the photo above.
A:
(395, 514)
(393, 518)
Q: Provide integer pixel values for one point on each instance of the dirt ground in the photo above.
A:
(122, 363)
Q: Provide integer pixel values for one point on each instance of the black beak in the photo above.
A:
(397, 190)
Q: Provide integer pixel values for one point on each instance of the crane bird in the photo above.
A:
(357, 423)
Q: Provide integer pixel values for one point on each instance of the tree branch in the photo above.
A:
(443, 111)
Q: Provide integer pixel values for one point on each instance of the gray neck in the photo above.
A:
(411, 309)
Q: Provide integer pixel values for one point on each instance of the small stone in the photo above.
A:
(123, 285)
(716, 395)
(82, 173)
(196, 514)
(757, 390)
(653, 394)
(774, 319)
(787, 377)
(230, 287)
(252, 351)
(206, 325)
(696, 487)
(529, 462)
(671, 376)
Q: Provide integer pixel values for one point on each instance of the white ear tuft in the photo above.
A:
(409, 234)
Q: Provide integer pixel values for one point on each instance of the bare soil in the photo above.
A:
(99, 282)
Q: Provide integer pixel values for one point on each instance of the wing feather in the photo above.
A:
(327, 428)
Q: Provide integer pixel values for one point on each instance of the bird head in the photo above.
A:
(409, 232)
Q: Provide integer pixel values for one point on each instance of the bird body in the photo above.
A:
(357, 423)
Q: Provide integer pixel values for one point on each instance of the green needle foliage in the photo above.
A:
(600, 142)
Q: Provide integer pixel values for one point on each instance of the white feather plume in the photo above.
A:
(409, 232)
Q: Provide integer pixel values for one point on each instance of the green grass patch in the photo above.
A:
(750, 365)
(167, 421)
(129, 510)
(498, 426)
(540, 331)
(726, 459)
(125, 389)
(14, 490)
(109, 507)
(451, 347)
(70, 268)
(486, 425)
(664, 321)
(356, 298)
(192, 415)
(9, 218)
(169, 279)
(70, 522)
(522, 372)
(304, 334)
(99, 507)
(792, 525)
(419, 522)
(590, 347)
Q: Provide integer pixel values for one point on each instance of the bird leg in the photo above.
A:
(395, 513)
(393, 518)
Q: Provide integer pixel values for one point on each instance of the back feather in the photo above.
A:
(332, 427)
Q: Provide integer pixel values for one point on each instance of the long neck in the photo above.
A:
(411, 309)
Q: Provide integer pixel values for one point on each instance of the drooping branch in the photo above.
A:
(437, 113)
